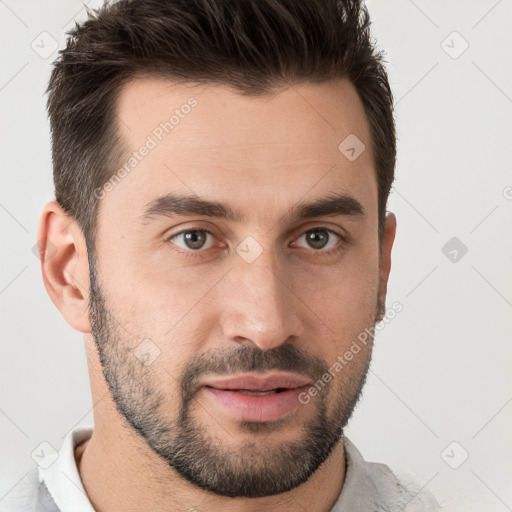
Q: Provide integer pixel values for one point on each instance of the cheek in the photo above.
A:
(154, 298)
(345, 299)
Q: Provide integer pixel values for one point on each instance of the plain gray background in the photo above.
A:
(440, 385)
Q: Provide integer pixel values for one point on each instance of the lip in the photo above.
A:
(227, 395)
(259, 382)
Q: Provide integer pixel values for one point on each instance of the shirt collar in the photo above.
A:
(62, 477)
(373, 487)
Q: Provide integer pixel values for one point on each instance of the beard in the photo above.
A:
(253, 468)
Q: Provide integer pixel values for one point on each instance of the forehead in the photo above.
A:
(312, 114)
(212, 141)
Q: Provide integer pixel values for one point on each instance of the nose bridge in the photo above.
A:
(260, 307)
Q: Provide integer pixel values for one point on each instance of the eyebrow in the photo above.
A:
(171, 205)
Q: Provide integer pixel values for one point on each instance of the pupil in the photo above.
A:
(195, 239)
(317, 239)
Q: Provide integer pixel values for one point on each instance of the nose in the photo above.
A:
(259, 306)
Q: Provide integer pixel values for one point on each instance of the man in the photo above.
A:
(221, 238)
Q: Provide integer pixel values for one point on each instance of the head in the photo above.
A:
(221, 173)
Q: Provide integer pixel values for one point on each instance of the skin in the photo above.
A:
(261, 155)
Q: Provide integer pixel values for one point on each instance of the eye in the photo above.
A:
(195, 242)
(320, 239)
(193, 239)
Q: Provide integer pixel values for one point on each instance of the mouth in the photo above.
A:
(257, 398)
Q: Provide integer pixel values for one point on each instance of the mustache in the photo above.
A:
(286, 357)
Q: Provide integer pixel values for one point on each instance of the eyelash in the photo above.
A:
(200, 252)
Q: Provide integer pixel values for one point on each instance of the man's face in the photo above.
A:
(266, 293)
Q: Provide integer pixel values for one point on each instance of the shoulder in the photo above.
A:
(387, 491)
(400, 491)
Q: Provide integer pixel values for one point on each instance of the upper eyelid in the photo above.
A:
(324, 228)
(169, 237)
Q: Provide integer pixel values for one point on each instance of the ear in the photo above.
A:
(64, 265)
(385, 260)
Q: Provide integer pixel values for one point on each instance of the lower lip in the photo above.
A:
(257, 407)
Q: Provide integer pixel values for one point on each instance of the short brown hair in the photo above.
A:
(257, 46)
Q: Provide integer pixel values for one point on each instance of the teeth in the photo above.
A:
(254, 392)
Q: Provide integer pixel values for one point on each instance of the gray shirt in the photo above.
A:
(54, 485)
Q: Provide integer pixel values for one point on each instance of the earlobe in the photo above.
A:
(385, 259)
(64, 265)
